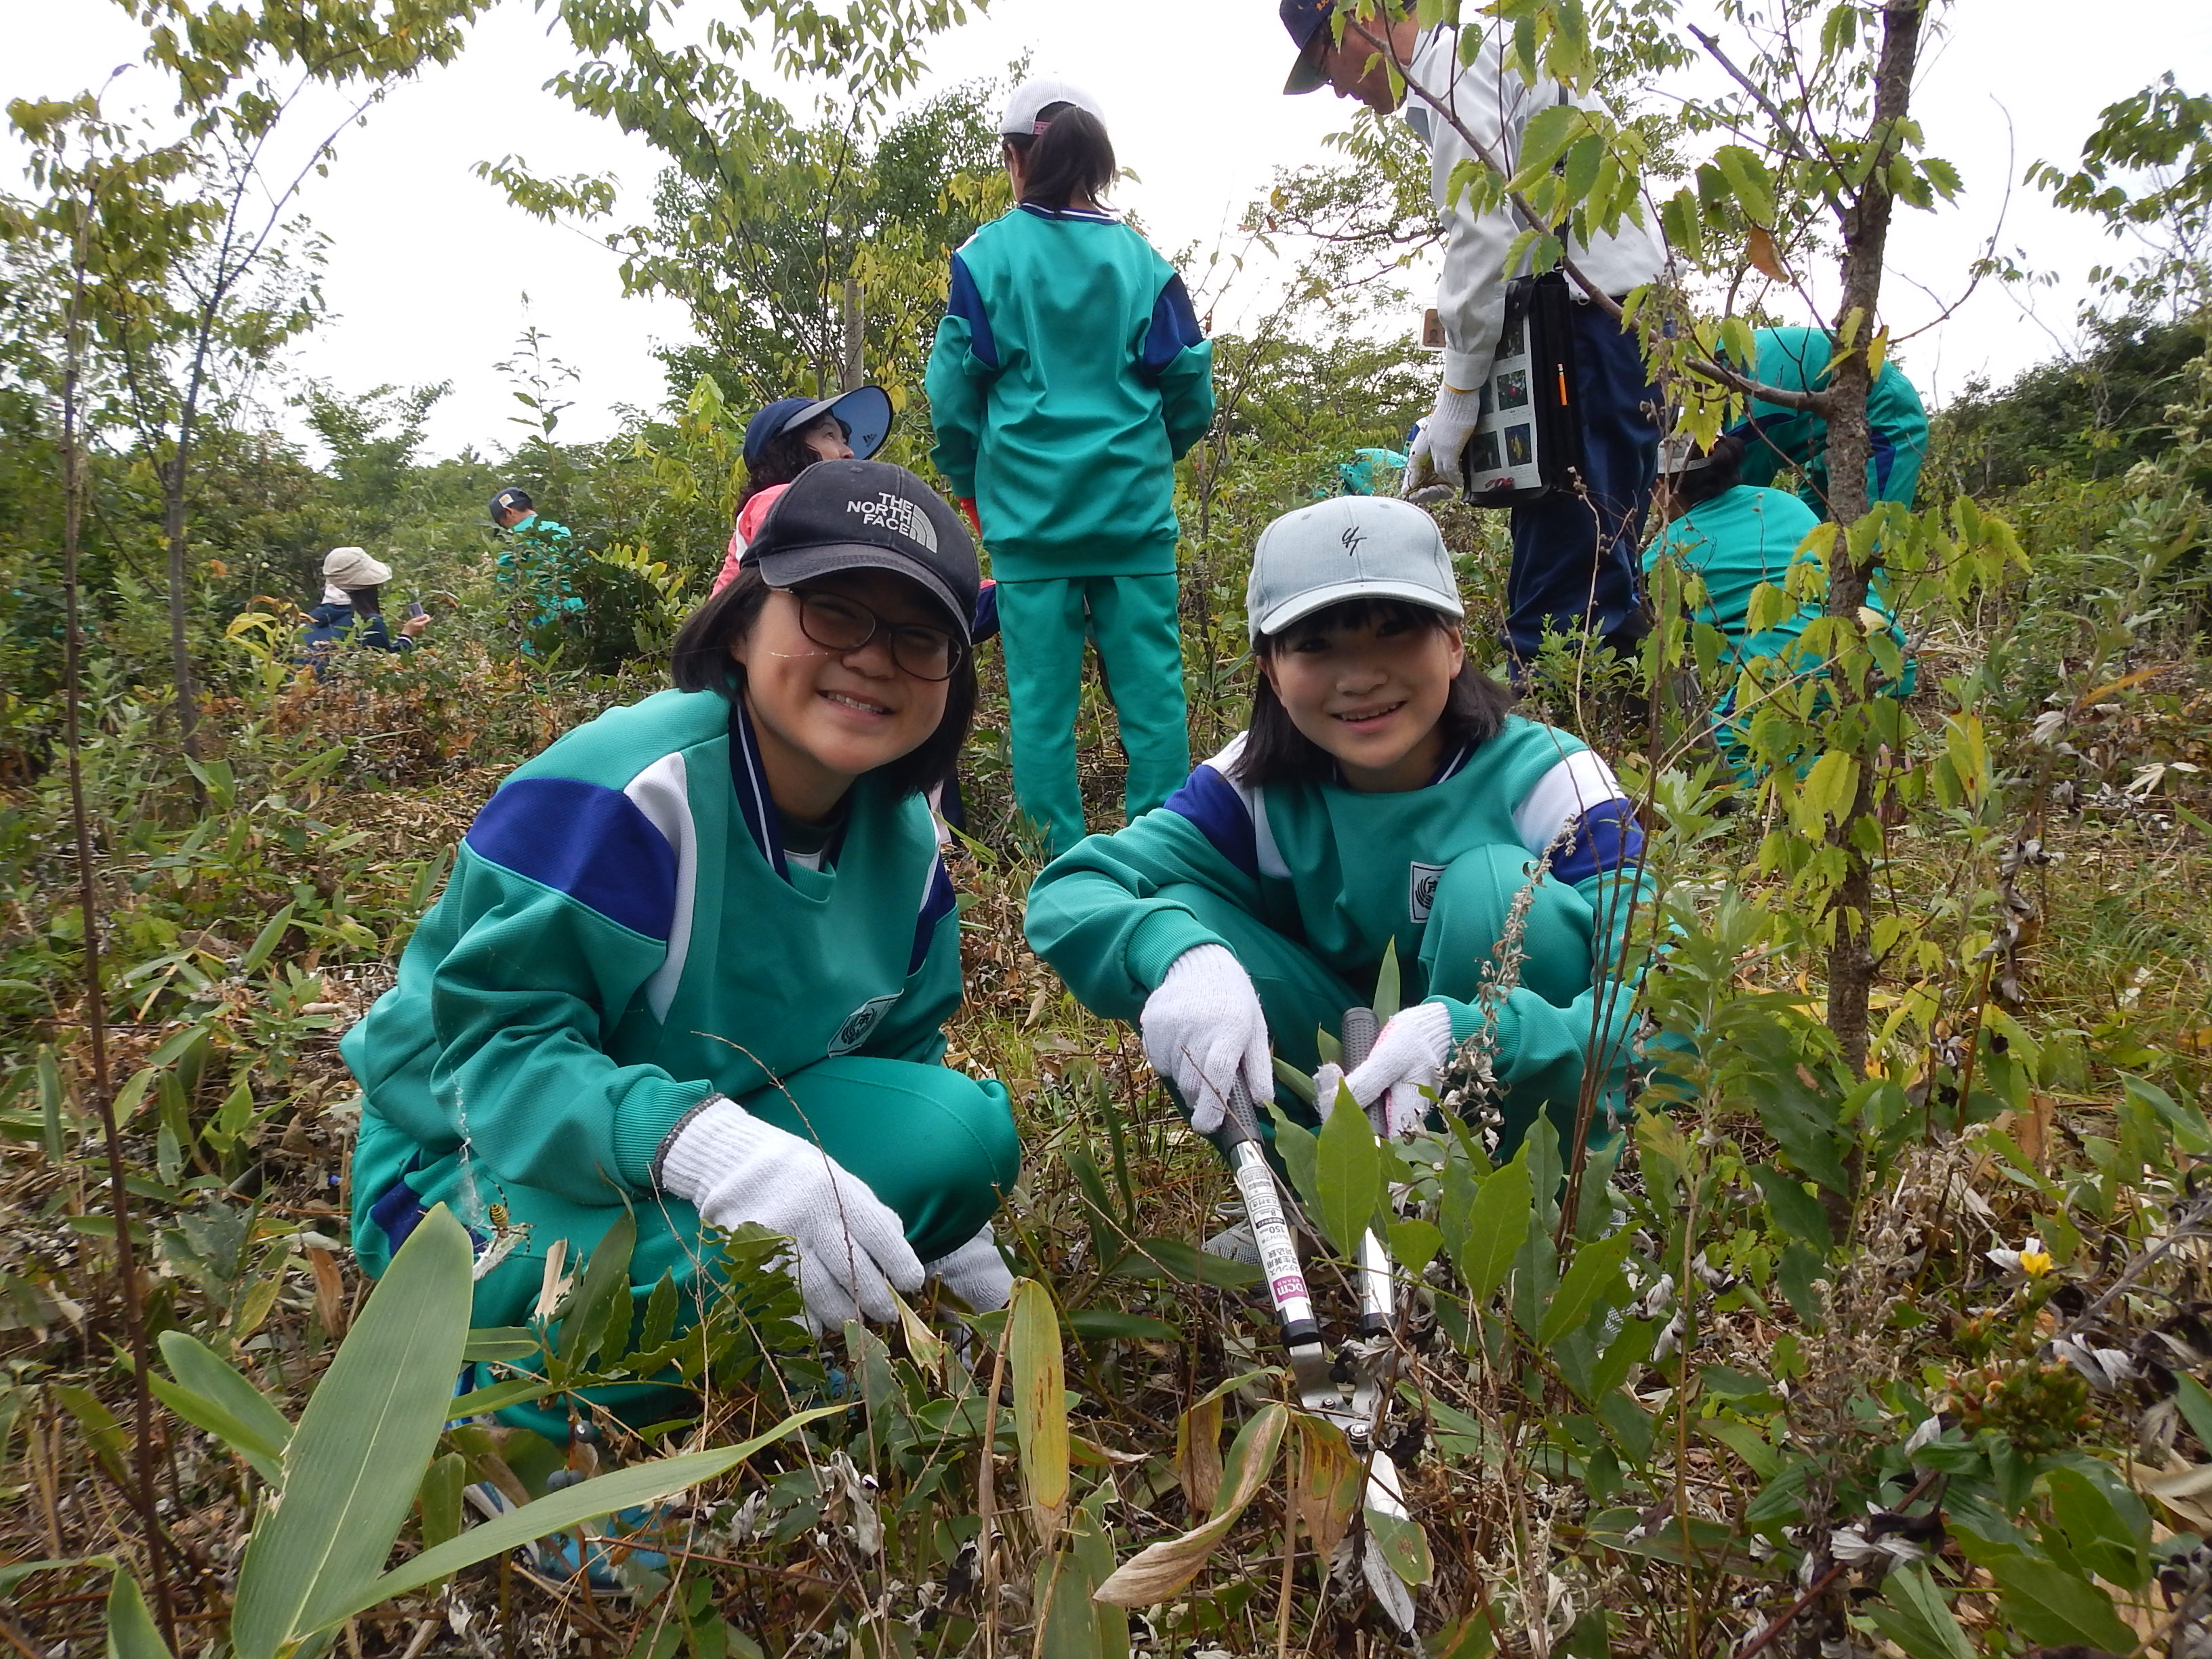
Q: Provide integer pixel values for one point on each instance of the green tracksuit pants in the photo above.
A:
(1474, 896)
(1042, 627)
(937, 1145)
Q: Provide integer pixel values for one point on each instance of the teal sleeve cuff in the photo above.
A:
(647, 1116)
(1158, 939)
(1466, 1020)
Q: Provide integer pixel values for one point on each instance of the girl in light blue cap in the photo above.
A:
(1383, 795)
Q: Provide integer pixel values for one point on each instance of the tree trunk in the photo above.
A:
(853, 370)
(1866, 238)
(180, 657)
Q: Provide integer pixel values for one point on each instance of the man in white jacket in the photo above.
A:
(1575, 563)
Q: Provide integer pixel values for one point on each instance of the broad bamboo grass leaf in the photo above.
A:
(1158, 1570)
(1198, 1454)
(16, 1572)
(1040, 1403)
(211, 1395)
(440, 1499)
(1331, 1477)
(1404, 1544)
(130, 1632)
(561, 1512)
(352, 1466)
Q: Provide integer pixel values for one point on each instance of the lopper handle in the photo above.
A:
(1377, 1296)
(1263, 1209)
(1359, 1030)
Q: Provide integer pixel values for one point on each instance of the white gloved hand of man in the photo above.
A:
(1408, 1056)
(1204, 1031)
(1439, 453)
(850, 1247)
(975, 1273)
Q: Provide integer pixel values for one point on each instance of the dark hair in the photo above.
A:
(783, 457)
(1071, 161)
(1721, 472)
(365, 601)
(701, 661)
(1276, 751)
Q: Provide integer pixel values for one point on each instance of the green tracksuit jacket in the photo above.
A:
(1796, 360)
(1066, 377)
(622, 936)
(1336, 876)
(1735, 542)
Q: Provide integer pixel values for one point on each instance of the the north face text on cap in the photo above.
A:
(894, 512)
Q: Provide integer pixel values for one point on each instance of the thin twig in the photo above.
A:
(986, 1496)
(96, 997)
(1713, 49)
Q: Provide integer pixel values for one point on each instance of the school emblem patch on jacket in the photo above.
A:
(860, 1023)
(1421, 888)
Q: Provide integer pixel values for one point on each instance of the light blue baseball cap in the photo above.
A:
(1350, 547)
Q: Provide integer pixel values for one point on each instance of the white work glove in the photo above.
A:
(975, 1273)
(849, 1245)
(1440, 451)
(1408, 1056)
(1203, 1030)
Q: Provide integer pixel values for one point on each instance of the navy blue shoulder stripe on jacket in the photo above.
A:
(1173, 327)
(586, 841)
(964, 301)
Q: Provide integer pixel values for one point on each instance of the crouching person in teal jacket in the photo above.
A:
(1734, 538)
(693, 958)
(1383, 794)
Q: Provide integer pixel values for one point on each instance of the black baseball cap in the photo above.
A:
(1308, 21)
(869, 515)
(511, 498)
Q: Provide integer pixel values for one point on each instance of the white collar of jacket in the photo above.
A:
(756, 804)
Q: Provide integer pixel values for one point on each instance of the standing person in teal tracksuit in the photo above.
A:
(694, 960)
(1067, 378)
(1796, 360)
(1383, 795)
(540, 566)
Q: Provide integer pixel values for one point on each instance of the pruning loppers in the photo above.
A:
(1345, 1388)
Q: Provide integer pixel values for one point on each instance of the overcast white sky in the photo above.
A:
(429, 265)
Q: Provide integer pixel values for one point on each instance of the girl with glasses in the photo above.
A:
(694, 959)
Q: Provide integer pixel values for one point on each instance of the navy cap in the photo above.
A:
(511, 498)
(869, 515)
(864, 412)
(1308, 21)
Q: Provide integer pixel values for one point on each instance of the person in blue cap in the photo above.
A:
(539, 566)
(1574, 566)
(788, 436)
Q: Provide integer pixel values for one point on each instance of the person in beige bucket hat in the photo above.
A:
(351, 611)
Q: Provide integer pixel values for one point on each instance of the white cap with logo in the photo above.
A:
(1038, 94)
(1351, 547)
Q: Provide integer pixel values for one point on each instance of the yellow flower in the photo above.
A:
(2034, 1259)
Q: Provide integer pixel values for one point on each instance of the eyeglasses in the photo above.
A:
(836, 623)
